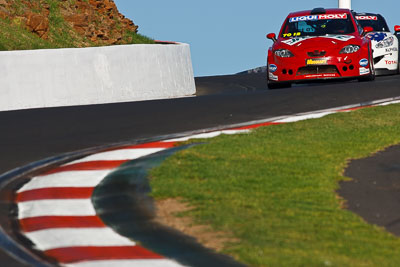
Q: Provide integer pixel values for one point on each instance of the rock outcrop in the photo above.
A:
(97, 21)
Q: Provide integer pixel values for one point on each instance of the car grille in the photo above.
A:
(317, 70)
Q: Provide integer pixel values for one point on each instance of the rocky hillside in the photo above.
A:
(64, 23)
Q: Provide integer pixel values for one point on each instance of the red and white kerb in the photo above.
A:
(56, 214)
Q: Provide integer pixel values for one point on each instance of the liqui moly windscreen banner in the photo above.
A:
(318, 17)
(366, 17)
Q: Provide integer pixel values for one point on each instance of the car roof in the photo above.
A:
(327, 11)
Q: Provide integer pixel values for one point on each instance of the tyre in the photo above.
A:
(398, 53)
(277, 85)
(272, 86)
(398, 62)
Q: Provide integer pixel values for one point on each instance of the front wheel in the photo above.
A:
(367, 78)
(398, 62)
(277, 85)
(281, 85)
(398, 66)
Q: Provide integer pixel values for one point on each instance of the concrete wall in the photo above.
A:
(67, 77)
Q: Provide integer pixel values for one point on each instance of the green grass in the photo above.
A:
(136, 38)
(274, 190)
(14, 37)
(61, 33)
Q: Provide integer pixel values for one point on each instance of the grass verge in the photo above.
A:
(274, 190)
(14, 37)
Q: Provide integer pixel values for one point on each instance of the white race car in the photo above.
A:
(385, 45)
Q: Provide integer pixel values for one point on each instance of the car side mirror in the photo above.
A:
(368, 29)
(272, 37)
(397, 28)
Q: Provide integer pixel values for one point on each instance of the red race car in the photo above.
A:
(319, 44)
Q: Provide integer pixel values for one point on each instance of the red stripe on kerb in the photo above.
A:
(55, 193)
(88, 166)
(49, 222)
(149, 145)
(256, 126)
(76, 254)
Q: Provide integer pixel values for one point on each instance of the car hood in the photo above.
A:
(326, 41)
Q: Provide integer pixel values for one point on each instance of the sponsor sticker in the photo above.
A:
(390, 62)
(325, 75)
(294, 34)
(364, 62)
(272, 68)
(392, 49)
(296, 40)
(343, 38)
(272, 76)
(364, 71)
(366, 17)
(320, 61)
(377, 36)
(330, 74)
(318, 17)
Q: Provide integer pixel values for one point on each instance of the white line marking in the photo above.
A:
(236, 131)
(389, 103)
(305, 117)
(207, 135)
(127, 263)
(69, 207)
(80, 237)
(66, 179)
(196, 136)
(121, 154)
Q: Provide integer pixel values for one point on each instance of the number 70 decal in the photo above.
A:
(292, 34)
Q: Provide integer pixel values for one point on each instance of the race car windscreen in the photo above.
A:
(377, 23)
(318, 25)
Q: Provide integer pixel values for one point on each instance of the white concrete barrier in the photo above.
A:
(82, 76)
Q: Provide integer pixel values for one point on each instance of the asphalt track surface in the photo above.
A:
(31, 135)
(374, 191)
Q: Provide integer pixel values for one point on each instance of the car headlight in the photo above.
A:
(385, 43)
(349, 49)
(283, 53)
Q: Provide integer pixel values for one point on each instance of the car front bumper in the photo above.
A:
(295, 69)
